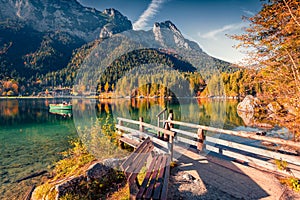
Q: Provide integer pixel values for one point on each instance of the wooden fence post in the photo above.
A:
(141, 119)
(170, 146)
(158, 122)
(168, 125)
(120, 122)
(171, 117)
(121, 144)
(201, 138)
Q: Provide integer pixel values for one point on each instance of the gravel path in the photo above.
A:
(184, 186)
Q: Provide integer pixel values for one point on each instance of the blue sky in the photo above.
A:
(205, 21)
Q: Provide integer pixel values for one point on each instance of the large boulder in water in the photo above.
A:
(249, 120)
(248, 104)
(247, 117)
(249, 108)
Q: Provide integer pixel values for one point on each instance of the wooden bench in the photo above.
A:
(155, 183)
(128, 141)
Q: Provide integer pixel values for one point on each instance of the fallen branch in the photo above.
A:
(32, 176)
(29, 193)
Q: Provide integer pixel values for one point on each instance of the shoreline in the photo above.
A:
(98, 98)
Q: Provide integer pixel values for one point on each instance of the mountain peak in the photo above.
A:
(111, 12)
(167, 24)
(118, 23)
(167, 34)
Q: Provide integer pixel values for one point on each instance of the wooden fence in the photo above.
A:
(196, 137)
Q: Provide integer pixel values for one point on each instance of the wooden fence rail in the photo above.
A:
(243, 134)
(252, 155)
(141, 132)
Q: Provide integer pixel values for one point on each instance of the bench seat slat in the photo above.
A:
(164, 190)
(146, 179)
(130, 142)
(155, 183)
(135, 171)
(160, 178)
(148, 192)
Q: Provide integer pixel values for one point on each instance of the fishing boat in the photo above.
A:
(61, 106)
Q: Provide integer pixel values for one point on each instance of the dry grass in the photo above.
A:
(121, 194)
(74, 163)
(292, 182)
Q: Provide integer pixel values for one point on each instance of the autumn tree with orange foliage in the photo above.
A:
(9, 87)
(273, 38)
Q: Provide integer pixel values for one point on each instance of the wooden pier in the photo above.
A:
(204, 139)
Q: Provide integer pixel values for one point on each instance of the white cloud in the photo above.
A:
(223, 30)
(248, 12)
(217, 44)
(147, 14)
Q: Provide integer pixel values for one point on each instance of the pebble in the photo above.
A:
(188, 177)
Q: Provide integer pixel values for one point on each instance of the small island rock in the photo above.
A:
(248, 104)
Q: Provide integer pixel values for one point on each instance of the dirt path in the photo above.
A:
(199, 177)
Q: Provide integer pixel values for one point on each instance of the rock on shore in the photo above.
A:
(96, 171)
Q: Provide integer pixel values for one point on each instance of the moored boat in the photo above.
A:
(61, 106)
(63, 112)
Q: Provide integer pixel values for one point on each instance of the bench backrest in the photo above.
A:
(134, 163)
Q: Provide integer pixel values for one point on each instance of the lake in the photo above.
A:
(31, 138)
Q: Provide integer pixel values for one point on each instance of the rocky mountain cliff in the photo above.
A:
(162, 31)
(64, 16)
(164, 39)
(39, 36)
(45, 41)
(168, 38)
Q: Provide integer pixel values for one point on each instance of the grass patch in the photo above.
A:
(73, 164)
(281, 164)
(43, 191)
(292, 182)
(74, 161)
(97, 143)
(142, 175)
(173, 164)
(121, 194)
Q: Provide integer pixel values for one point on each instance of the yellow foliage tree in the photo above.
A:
(274, 34)
(106, 87)
(274, 40)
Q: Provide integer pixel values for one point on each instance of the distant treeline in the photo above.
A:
(146, 72)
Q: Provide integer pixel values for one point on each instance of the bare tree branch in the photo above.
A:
(290, 11)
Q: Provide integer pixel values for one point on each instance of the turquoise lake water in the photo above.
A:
(30, 141)
(31, 138)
